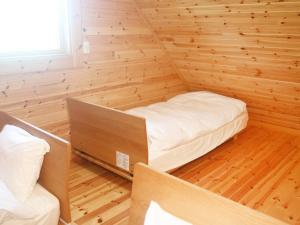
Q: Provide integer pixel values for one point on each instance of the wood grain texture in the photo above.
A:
(101, 132)
(116, 139)
(187, 201)
(261, 170)
(246, 49)
(127, 66)
(54, 175)
(98, 196)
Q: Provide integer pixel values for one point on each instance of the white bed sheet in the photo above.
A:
(41, 208)
(186, 117)
(183, 154)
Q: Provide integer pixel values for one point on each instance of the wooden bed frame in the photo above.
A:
(95, 128)
(188, 202)
(99, 134)
(55, 170)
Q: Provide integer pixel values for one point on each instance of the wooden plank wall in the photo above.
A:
(249, 49)
(127, 66)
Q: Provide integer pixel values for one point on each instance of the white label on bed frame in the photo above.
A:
(122, 160)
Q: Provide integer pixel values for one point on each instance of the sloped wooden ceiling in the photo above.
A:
(243, 48)
(127, 67)
(249, 49)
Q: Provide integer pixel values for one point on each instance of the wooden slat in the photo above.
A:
(125, 58)
(248, 49)
(260, 169)
(98, 196)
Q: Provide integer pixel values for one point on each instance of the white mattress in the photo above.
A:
(189, 125)
(42, 208)
(183, 154)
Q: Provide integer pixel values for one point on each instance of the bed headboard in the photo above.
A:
(102, 132)
(188, 202)
(55, 170)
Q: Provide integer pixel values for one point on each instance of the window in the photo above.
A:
(31, 28)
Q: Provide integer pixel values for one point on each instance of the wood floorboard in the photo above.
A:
(260, 169)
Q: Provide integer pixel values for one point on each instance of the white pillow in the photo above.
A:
(157, 216)
(21, 159)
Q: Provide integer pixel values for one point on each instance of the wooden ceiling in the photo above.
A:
(144, 51)
(248, 49)
(127, 66)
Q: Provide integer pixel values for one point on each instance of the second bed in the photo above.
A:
(164, 135)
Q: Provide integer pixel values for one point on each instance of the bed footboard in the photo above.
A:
(110, 138)
(188, 202)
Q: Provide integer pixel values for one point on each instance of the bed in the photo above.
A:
(187, 202)
(164, 135)
(49, 200)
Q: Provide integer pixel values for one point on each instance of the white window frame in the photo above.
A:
(41, 61)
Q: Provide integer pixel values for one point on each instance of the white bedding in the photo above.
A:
(183, 154)
(186, 117)
(41, 208)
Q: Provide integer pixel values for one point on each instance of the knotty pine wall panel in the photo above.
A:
(247, 49)
(127, 66)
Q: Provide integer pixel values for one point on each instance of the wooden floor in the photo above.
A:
(261, 169)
